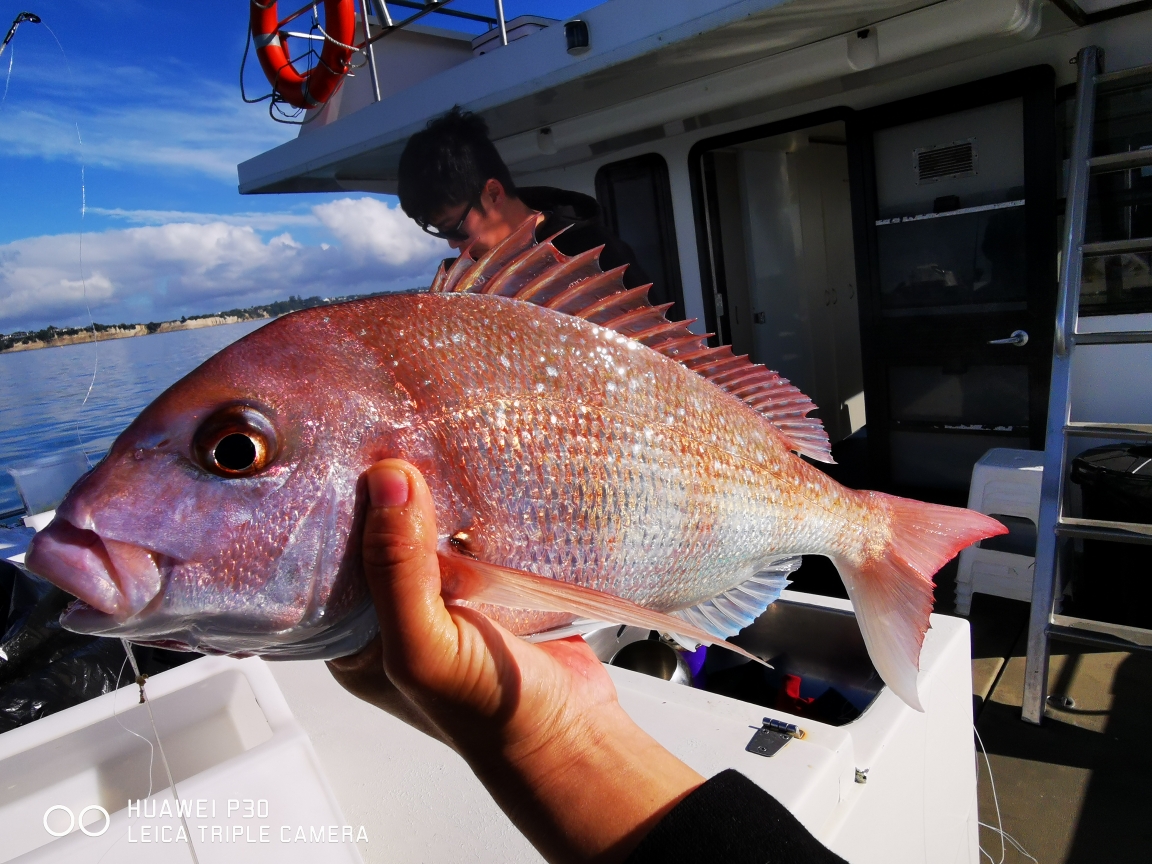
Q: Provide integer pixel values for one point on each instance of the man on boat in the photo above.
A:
(454, 184)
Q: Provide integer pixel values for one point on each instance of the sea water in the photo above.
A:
(42, 406)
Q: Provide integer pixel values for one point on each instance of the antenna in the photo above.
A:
(29, 17)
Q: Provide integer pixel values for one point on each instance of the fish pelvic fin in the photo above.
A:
(728, 613)
(891, 589)
(466, 579)
(524, 269)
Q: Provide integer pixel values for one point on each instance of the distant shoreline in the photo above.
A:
(103, 335)
(56, 337)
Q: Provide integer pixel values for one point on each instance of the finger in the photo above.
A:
(403, 574)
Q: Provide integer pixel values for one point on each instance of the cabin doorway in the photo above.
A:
(777, 235)
(957, 268)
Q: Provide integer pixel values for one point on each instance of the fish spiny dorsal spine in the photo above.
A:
(524, 269)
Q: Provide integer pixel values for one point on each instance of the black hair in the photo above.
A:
(448, 163)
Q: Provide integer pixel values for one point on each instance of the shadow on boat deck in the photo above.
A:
(1073, 790)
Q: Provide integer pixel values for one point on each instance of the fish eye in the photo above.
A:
(235, 452)
(236, 441)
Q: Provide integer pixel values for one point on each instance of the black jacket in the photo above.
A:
(580, 215)
(730, 820)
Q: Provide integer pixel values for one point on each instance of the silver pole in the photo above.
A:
(500, 18)
(385, 15)
(1072, 261)
(371, 49)
(1046, 574)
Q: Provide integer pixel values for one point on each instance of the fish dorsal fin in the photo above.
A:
(730, 612)
(521, 268)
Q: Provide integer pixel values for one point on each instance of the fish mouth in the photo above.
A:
(111, 577)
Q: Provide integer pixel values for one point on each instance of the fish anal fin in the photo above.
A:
(731, 611)
(892, 591)
(468, 579)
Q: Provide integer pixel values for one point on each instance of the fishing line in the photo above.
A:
(116, 716)
(140, 679)
(999, 826)
(83, 279)
(1006, 836)
(8, 79)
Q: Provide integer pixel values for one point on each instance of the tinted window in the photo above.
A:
(637, 202)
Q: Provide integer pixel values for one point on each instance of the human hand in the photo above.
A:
(539, 724)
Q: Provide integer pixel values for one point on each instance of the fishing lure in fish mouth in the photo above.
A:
(588, 459)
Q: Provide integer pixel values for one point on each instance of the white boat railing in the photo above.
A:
(433, 7)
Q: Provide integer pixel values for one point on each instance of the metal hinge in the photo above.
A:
(772, 736)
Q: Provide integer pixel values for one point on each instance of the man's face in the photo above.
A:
(482, 223)
(461, 222)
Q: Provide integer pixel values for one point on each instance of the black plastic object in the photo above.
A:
(751, 682)
(576, 36)
(1116, 481)
(45, 668)
(1115, 582)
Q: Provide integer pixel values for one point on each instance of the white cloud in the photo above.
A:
(369, 227)
(162, 271)
(259, 221)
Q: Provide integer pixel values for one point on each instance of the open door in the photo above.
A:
(774, 214)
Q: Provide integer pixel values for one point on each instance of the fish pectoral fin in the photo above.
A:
(728, 613)
(465, 578)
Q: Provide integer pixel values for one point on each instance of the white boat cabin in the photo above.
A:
(861, 195)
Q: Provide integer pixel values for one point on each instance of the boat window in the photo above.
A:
(979, 396)
(952, 243)
(637, 202)
(779, 246)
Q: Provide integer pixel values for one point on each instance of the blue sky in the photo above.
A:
(152, 90)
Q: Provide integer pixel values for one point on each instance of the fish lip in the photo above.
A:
(117, 580)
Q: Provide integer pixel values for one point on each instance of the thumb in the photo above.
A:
(419, 636)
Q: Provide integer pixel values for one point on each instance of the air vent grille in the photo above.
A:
(945, 161)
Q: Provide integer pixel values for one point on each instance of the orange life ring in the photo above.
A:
(316, 86)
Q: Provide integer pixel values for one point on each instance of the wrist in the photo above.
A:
(586, 790)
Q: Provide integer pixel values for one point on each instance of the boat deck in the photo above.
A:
(1070, 790)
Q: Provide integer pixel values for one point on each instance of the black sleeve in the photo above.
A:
(584, 236)
(731, 820)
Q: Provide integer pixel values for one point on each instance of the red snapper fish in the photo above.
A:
(588, 458)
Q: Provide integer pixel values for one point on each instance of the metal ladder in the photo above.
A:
(1055, 528)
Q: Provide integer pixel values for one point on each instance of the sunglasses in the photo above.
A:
(455, 233)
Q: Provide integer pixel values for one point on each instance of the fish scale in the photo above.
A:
(678, 511)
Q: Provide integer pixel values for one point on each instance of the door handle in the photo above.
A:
(1019, 338)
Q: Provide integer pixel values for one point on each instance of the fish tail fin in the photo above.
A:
(891, 589)
(465, 578)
